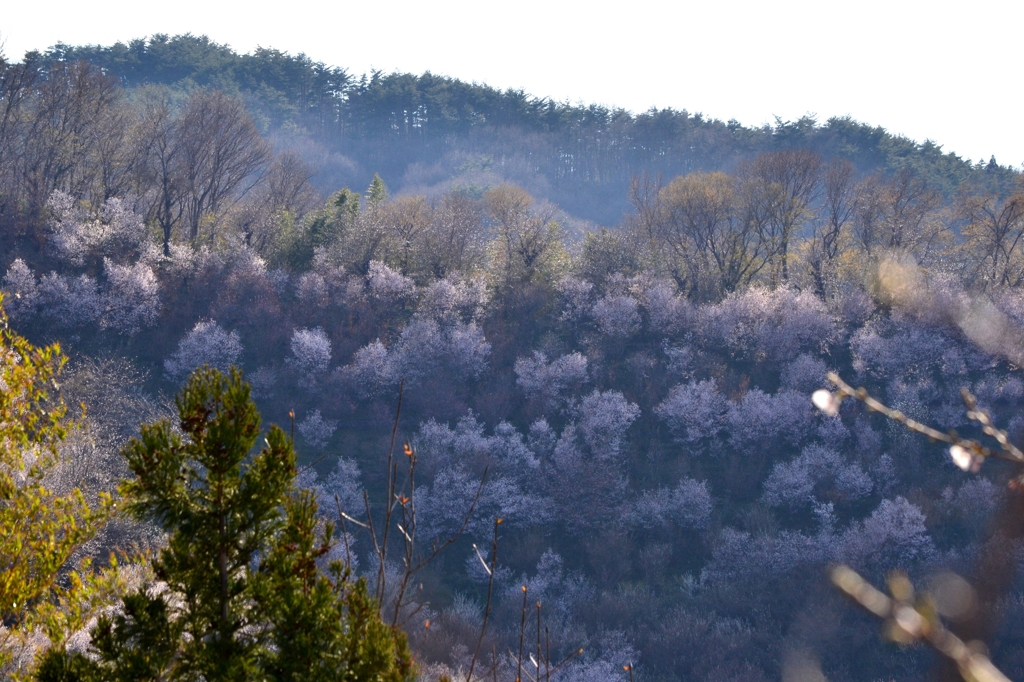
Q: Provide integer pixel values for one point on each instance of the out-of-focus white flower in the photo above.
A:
(826, 402)
(965, 459)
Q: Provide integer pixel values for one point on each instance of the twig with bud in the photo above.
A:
(490, 568)
(968, 454)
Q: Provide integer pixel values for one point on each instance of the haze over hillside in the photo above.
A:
(426, 133)
(936, 71)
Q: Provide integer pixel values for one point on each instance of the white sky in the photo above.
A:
(950, 72)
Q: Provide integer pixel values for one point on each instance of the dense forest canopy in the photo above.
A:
(632, 400)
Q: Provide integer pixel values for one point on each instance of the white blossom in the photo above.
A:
(768, 324)
(372, 371)
(131, 297)
(588, 488)
(263, 381)
(894, 536)
(602, 420)
(805, 374)
(467, 350)
(452, 300)
(440, 446)
(442, 506)
(669, 313)
(505, 452)
(887, 351)
(688, 505)
(22, 299)
(343, 484)
(764, 421)
(311, 351)
(311, 290)
(973, 503)
(512, 454)
(542, 438)
(69, 302)
(206, 344)
(617, 316)
(739, 555)
(682, 360)
(817, 475)
(76, 234)
(316, 430)
(279, 280)
(386, 285)
(422, 350)
(694, 411)
(575, 295)
(550, 382)
(607, 664)
(560, 589)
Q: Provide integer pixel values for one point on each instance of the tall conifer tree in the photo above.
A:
(240, 597)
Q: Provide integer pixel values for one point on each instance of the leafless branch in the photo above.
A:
(968, 454)
(490, 594)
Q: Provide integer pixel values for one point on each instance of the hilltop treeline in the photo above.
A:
(421, 131)
(638, 395)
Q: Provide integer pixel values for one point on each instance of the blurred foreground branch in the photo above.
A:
(910, 618)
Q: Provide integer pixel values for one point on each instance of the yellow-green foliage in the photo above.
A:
(39, 529)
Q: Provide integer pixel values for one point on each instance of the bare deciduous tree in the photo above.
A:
(700, 222)
(60, 131)
(994, 229)
(782, 185)
(898, 214)
(454, 240)
(526, 239)
(221, 151)
(835, 213)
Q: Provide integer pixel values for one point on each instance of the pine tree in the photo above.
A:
(377, 192)
(240, 595)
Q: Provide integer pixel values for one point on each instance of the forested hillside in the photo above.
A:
(605, 328)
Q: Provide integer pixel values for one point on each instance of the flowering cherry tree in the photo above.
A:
(206, 344)
(131, 297)
(310, 352)
(77, 235)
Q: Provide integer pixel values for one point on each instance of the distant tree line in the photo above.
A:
(409, 128)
